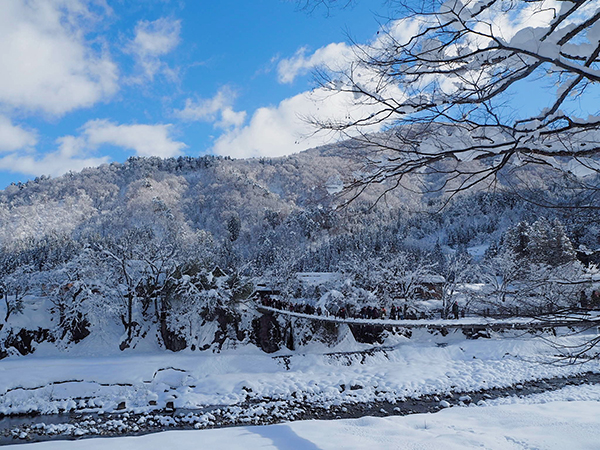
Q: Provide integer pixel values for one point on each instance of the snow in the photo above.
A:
(427, 363)
(445, 367)
(556, 425)
(478, 251)
(37, 314)
(317, 278)
(334, 185)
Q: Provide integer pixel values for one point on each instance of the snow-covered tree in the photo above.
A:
(542, 242)
(533, 271)
(391, 277)
(439, 80)
(457, 270)
(14, 286)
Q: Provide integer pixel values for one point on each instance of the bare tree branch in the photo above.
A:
(439, 92)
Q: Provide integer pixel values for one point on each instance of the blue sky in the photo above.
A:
(91, 81)
(87, 82)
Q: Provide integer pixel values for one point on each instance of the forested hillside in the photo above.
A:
(168, 251)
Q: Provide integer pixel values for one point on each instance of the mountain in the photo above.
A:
(168, 251)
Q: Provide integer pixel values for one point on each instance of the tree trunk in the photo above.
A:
(129, 315)
(8, 311)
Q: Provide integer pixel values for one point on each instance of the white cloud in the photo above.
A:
(46, 63)
(65, 159)
(13, 137)
(231, 118)
(74, 152)
(339, 57)
(334, 56)
(153, 40)
(145, 140)
(217, 110)
(284, 129)
(158, 37)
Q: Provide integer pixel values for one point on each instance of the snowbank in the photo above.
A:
(425, 364)
(556, 425)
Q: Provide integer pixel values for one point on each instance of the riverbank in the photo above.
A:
(133, 392)
(263, 412)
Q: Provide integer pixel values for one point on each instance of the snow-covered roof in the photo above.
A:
(433, 279)
(317, 278)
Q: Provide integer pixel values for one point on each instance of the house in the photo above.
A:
(264, 289)
(431, 287)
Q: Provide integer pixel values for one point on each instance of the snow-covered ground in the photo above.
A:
(50, 381)
(550, 421)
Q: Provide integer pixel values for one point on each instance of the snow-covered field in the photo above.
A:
(48, 382)
(558, 424)
(143, 380)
